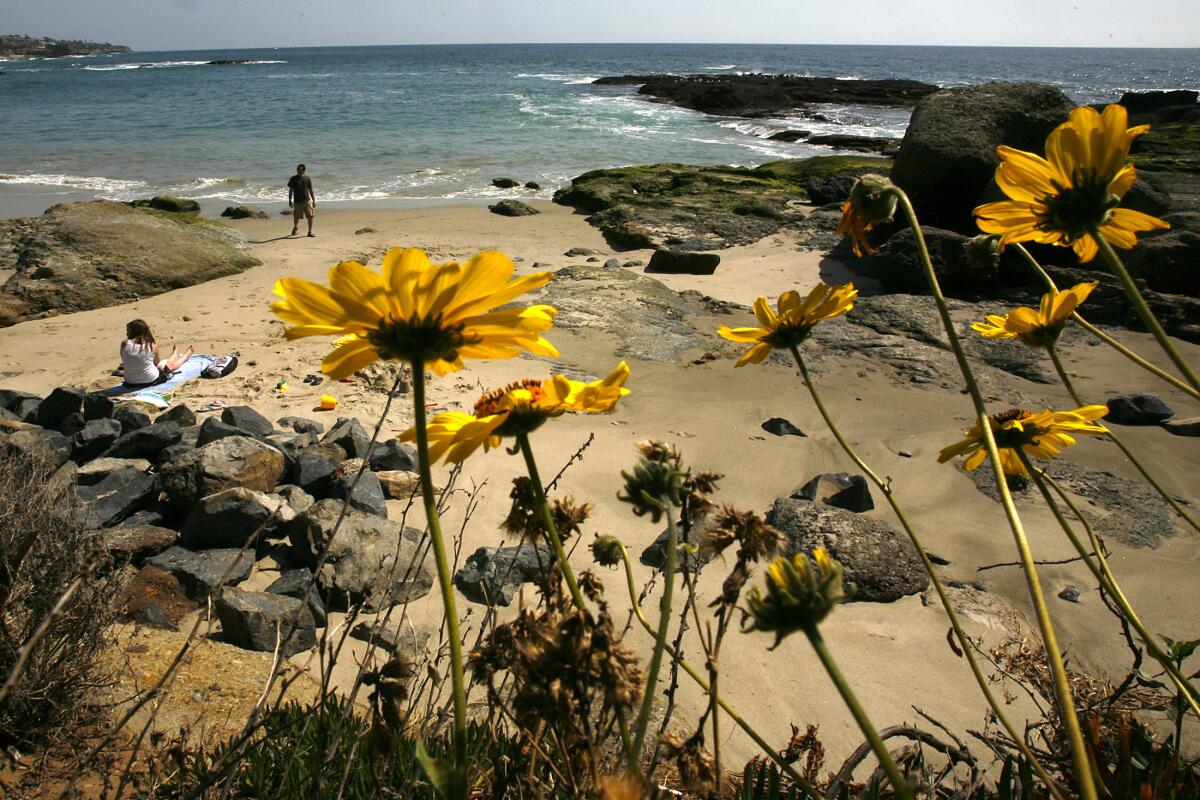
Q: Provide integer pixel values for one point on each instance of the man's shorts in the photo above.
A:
(302, 210)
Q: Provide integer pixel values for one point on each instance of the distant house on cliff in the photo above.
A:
(44, 47)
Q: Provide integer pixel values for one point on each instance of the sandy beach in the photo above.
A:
(896, 654)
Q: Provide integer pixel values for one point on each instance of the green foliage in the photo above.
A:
(801, 170)
(1142, 767)
(764, 781)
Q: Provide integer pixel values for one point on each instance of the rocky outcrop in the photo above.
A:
(948, 154)
(880, 563)
(80, 256)
(513, 208)
(244, 212)
(767, 95)
(200, 574)
(224, 464)
(264, 621)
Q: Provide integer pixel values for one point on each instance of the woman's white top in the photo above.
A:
(138, 361)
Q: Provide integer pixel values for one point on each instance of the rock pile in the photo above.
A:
(200, 505)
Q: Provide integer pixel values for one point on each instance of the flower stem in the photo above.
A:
(965, 644)
(1058, 672)
(1066, 379)
(548, 522)
(458, 789)
(660, 637)
(1104, 337)
(729, 710)
(899, 784)
(1108, 581)
(1143, 310)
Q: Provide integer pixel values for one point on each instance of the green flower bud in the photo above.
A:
(799, 594)
(606, 550)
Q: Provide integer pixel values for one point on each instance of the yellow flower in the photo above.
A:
(1058, 199)
(792, 324)
(1044, 435)
(436, 313)
(855, 225)
(1039, 328)
(519, 408)
(800, 593)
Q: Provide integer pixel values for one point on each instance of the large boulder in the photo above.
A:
(394, 455)
(224, 464)
(39, 444)
(98, 469)
(513, 208)
(314, 468)
(264, 621)
(296, 583)
(494, 575)
(78, 256)
(364, 492)
(60, 403)
(1139, 408)
(146, 442)
(349, 435)
(115, 497)
(181, 415)
(96, 436)
(131, 417)
(840, 489)
(371, 560)
(233, 518)
(948, 154)
(397, 638)
(683, 263)
(880, 562)
(248, 420)
(213, 429)
(687, 555)
(202, 573)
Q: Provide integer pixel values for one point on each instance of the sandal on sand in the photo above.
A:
(213, 406)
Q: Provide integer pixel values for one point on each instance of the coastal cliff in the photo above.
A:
(45, 47)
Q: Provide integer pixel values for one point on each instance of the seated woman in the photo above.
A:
(140, 360)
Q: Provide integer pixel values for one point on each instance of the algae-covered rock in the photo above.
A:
(79, 256)
(166, 202)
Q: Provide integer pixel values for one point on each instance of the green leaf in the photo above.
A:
(439, 771)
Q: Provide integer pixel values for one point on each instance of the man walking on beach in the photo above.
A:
(301, 199)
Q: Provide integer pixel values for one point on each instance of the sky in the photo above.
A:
(220, 24)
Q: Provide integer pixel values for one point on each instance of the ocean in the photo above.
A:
(410, 125)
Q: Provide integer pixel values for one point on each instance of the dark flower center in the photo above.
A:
(1073, 211)
(418, 338)
(786, 336)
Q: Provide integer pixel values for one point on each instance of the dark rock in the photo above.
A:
(513, 208)
(244, 212)
(1140, 408)
(247, 420)
(114, 498)
(532, 185)
(494, 575)
(314, 468)
(223, 464)
(823, 190)
(789, 136)
(9, 398)
(174, 451)
(181, 415)
(1070, 594)
(135, 543)
(213, 429)
(152, 616)
(301, 425)
(97, 406)
(655, 555)
(26, 408)
(1147, 196)
(200, 574)
(233, 518)
(290, 444)
(840, 489)
(350, 436)
(394, 455)
(948, 155)
(576, 252)
(897, 263)
(295, 583)
(683, 263)
(612, 263)
(98, 469)
(1183, 427)
(367, 495)
(781, 427)
(39, 443)
(1143, 102)
(97, 436)
(131, 418)
(176, 205)
(880, 562)
(8, 416)
(398, 639)
(767, 95)
(1165, 259)
(862, 144)
(263, 621)
(154, 515)
(146, 442)
(505, 183)
(62, 481)
(371, 560)
(72, 424)
(59, 404)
